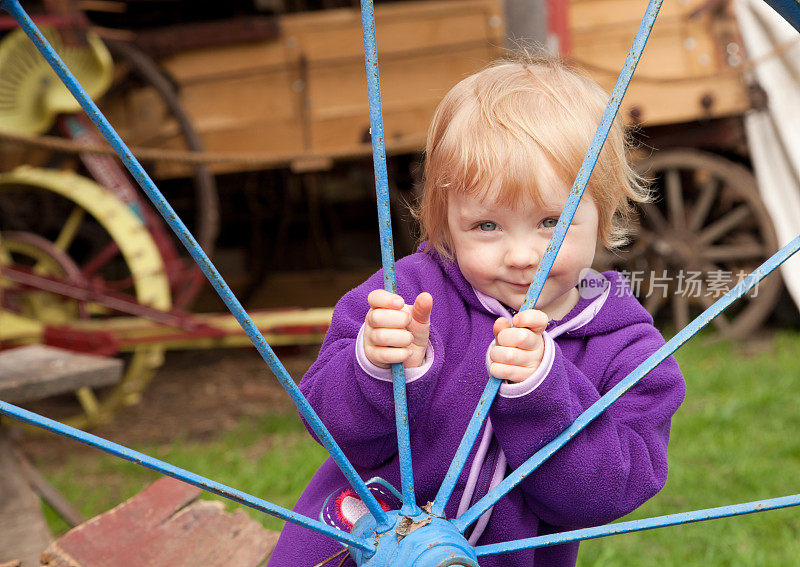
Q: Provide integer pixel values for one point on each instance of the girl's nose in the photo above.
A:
(522, 255)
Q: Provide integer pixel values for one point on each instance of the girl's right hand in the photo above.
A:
(395, 332)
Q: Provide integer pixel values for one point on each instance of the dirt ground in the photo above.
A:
(197, 394)
(194, 395)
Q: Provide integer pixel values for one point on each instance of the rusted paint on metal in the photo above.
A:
(387, 247)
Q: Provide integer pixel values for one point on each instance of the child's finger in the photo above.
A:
(421, 310)
(384, 356)
(501, 324)
(519, 337)
(420, 322)
(532, 319)
(509, 372)
(383, 337)
(390, 318)
(382, 299)
(515, 356)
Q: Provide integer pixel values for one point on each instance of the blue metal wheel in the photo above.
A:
(434, 541)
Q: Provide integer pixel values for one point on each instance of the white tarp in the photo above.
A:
(774, 134)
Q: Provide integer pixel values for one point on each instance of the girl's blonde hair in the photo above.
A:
(511, 122)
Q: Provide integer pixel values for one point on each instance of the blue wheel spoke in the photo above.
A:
(560, 232)
(181, 474)
(624, 385)
(387, 248)
(199, 256)
(640, 525)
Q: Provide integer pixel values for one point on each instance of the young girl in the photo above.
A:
(503, 149)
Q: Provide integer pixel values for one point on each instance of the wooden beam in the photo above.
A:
(35, 372)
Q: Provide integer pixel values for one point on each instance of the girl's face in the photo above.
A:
(498, 248)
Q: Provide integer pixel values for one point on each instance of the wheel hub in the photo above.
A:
(418, 541)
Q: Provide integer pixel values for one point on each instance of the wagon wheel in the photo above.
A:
(138, 74)
(94, 66)
(143, 72)
(52, 224)
(706, 229)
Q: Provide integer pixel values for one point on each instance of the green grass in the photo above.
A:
(735, 439)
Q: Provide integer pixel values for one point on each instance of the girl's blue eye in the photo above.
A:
(487, 226)
(550, 223)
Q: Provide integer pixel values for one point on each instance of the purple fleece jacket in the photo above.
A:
(613, 466)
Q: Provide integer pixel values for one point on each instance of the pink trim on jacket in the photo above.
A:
(475, 469)
(385, 374)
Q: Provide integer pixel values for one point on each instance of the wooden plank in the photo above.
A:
(684, 73)
(684, 102)
(23, 531)
(214, 538)
(47, 491)
(598, 14)
(97, 540)
(338, 96)
(293, 93)
(413, 26)
(664, 56)
(37, 371)
(344, 86)
(279, 327)
(164, 526)
(217, 103)
(221, 62)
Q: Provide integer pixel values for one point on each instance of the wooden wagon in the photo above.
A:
(300, 98)
(707, 226)
(300, 95)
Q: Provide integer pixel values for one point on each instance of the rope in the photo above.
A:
(749, 65)
(406, 144)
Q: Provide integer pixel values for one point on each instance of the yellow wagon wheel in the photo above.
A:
(55, 224)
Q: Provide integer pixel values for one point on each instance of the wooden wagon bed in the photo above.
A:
(691, 69)
(304, 91)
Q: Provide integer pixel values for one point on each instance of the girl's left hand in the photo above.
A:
(518, 350)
